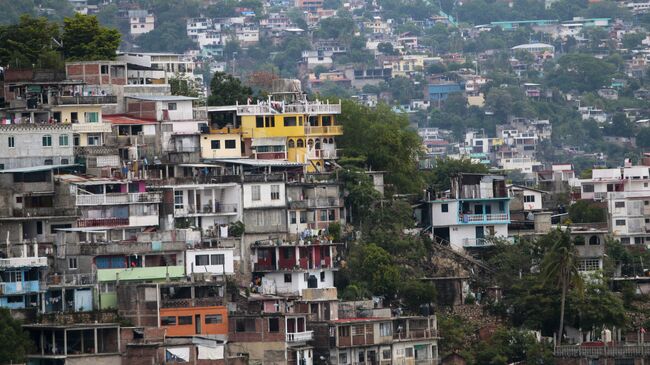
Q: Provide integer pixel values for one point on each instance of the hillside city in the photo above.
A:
(325, 182)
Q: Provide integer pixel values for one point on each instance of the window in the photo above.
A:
(292, 217)
(269, 121)
(343, 358)
(274, 325)
(385, 354)
(529, 198)
(303, 217)
(444, 208)
(167, 321)
(171, 106)
(326, 120)
(594, 240)
(290, 121)
(202, 260)
(245, 325)
(213, 318)
(300, 143)
(63, 140)
(385, 329)
(619, 204)
(92, 117)
(408, 352)
(620, 222)
(292, 143)
(178, 200)
(93, 140)
(184, 320)
(287, 278)
(259, 121)
(322, 276)
(104, 69)
(11, 141)
(625, 240)
(588, 188)
(323, 215)
(589, 265)
(275, 192)
(255, 192)
(64, 161)
(231, 144)
(217, 259)
(362, 356)
(15, 299)
(215, 144)
(47, 140)
(48, 162)
(72, 263)
(358, 330)
(638, 240)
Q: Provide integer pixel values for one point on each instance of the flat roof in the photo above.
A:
(119, 119)
(162, 97)
(254, 162)
(35, 168)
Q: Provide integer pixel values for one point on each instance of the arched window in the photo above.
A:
(310, 143)
(594, 240)
(292, 143)
(301, 143)
(317, 144)
(331, 140)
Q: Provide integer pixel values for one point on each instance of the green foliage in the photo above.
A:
(361, 193)
(166, 37)
(580, 72)
(404, 90)
(584, 211)
(384, 142)
(183, 85)
(236, 229)
(374, 268)
(386, 48)
(29, 43)
(14, 341)
(633, 40)
(417, 293)
(84, 39)
(225, 89)
(440, 176)
(334, 230)
(598, 307)
(12, 10)
(510, 345)
(456, 332)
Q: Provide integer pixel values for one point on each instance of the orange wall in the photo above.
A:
(190, 329)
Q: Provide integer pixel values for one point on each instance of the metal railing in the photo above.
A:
(71, 279)
(616, 350)
(92, 99)
(300, 336)
(493, 217)
(102, 222)
(119, 198)
(278, 108)
(207, 209)
(321, 130)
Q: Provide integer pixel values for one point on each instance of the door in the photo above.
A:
(480, 233)
(478, 209)
(83, 300)
(197, 324)
(488, 209)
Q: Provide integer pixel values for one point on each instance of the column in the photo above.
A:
(95, 334)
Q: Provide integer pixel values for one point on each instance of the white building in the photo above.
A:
(141, 22)
(212, 261)
(473, 211)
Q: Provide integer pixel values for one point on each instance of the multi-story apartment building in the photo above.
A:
(141, 22)
(475, 210)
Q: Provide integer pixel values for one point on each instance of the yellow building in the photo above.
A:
(87, 125)
(296, 130)
(221, 145)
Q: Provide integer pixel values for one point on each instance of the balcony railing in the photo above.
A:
(476, 242)
(91, 127)
(119, 198)
(14, 262)
(300, 336)
(316, 203)
(415, 334)
(614, 351)
(310, 108)
(191, 302)
(71, 279)
(102, 222)
(477, 218)
(207, 209)
(326, 130)
(74, 100)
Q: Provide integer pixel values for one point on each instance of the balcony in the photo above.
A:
(484, 218)
(476, 242)
(299, 336)
(332, 130)
(309, 108)
(16, 262)
(415, 334)
(102, 222)
(141, 273)
(310, 294)
(71, 279)
(20, 287)
(84, 100)
(315, 203)
(91, 127)
(119, 198)
(191, 302)
(323, 154)
(206, 210)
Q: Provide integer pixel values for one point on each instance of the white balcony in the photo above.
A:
(483, 218)
(310, 108)
(15, 262)
(300, 336)
(91, 127)
(119, 198)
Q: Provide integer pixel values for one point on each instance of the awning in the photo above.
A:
(273, 141)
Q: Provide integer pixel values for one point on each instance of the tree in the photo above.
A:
(440, 176)
(225, 89)
(416, 293)
(183, 85)
(85, 40)
(29, 44)
(166, 37)
(633, 40)
(560, 266)
(373, 268)
(643, 138)
(386, 48)
(382, 140)
(14, 341)
(580, 72)
(584, 211)
(404, 90)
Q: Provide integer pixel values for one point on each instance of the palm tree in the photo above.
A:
(560, 266)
